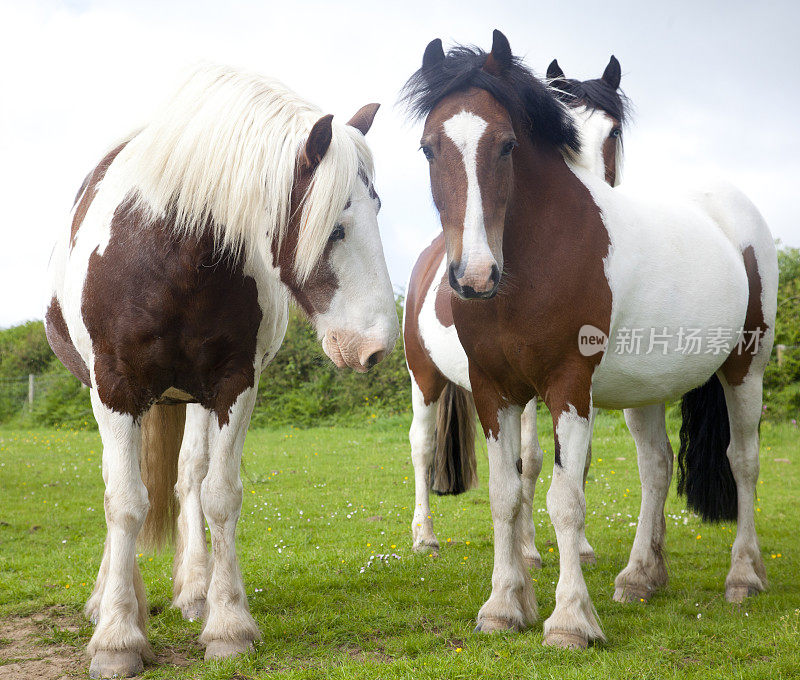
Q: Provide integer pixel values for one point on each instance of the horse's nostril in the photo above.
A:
(495, 275)
(453, 278)
(374, 358)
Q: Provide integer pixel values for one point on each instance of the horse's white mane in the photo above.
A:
(225, 147)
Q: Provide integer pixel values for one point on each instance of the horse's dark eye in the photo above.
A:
(338, 233)
(615, 133)
(428, 152)
(508, 147)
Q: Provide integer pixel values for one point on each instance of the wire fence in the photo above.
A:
(23, 394)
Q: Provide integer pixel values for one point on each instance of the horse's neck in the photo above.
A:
(552, 217)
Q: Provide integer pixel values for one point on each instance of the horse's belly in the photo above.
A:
(678, 310)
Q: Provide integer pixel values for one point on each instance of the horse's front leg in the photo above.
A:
(229, 627)
(190, 566)
(119, 642)
(573, 623)
(512, 604)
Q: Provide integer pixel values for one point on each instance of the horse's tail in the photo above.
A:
(162, 433)
(704, 474)
(454, 468)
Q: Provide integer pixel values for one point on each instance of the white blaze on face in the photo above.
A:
(465, 129)
(594, 127)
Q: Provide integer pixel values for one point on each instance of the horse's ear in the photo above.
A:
(554, 71)
(319, 139)
(362, 121)
(499, 59)
(434, 54)
(613, 73)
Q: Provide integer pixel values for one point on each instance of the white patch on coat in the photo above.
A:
(363, 303)
(690, 246)
(441, 342)
(594, 127)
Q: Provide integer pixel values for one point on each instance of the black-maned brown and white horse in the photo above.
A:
(545, 258)
(442, 430)
(170, 294)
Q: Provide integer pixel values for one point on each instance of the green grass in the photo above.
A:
(320, 502)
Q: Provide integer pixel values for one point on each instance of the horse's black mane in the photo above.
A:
(596, 94)
(529, 102)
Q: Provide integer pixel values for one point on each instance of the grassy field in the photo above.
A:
(322, 504)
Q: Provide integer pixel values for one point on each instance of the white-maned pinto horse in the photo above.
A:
(442, 432)
(548, 263)
(171, 286)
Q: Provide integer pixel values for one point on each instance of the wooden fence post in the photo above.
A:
(31, 383)
(780, 350)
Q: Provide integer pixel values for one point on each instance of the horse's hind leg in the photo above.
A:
(647, 569)
(422, 436)
(119, 641)
(190, 567)
(531, 455)
(229, 627)
(747, 575)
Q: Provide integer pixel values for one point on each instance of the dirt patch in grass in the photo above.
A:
(50, 645)
(36, 647)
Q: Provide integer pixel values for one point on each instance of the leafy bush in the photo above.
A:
(782, 383)
(302, 387)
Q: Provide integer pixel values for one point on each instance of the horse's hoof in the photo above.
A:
(425, 546)
(565, 639)
(194, 611)
(532, 562)
(588, 558)
(738, 594)
(632, 593)
(220, 649)
(115, 664)
(494, 624)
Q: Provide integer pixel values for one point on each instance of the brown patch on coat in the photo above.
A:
(524, 341)
(55, 327)
(89, 190)
(165, 311)
(737, 365)
(428, 378)
(314, 295)
(442, 306)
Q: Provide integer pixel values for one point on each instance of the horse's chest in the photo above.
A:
(164, 312)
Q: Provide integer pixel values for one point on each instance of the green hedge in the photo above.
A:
(302, 387)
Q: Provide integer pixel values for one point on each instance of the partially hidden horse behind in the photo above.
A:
(442, 431)
(589, 296)
(171, 287)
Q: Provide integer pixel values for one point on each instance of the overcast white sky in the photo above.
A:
(715, 85)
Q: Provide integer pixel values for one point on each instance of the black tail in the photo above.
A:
(704, 474)
(454, 467)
